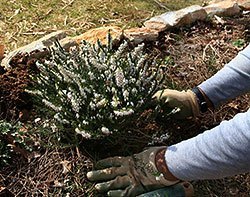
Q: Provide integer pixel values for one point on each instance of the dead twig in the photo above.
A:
(161, 5)
(34, 33)
(204, 52)
(46, 14)
(69, 4)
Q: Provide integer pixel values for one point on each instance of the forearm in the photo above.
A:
(231, 81)
(220, 152)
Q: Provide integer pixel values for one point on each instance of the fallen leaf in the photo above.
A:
(66, 166)
(58, 184)
(233, 105)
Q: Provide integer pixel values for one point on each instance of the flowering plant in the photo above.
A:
(94, 89)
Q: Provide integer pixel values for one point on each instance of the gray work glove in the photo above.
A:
(185, 101)
(129, 176)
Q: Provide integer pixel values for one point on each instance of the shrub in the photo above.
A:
(94, 89)
(11, 135)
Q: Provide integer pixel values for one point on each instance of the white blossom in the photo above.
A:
(96, 95)
(54, 128)
(91, 75)
(107, 72)
(99, 116)
(87, 90)
(141, 102)
(84, 122)
(37, 120)
(132, 80)
(101, 103)
(113, 90)
(138, 50)
(126, 95)
(124, 112)
(105, 131)
(111, 116)
(59, 119)
(134, 91)
(114, 103)
(121, 49)
(69, 95)
(51, 105)
(46, 124)
(83, 133)
(119, 78)
(92, 105)
(34, 92)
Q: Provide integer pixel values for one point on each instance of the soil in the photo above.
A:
(192, 54)
(14, 101)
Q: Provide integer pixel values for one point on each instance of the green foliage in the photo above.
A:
(239, 43)
(168, 60)
(10, 130)
(95, 90)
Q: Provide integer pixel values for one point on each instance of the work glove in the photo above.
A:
(185, 102)
(129, 176)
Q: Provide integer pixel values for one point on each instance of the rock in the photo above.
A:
(191, 14)
(215, 1)
(244, 4)
(157, 23)
(135, 35)
(176, 18)
(138, 35)
(68, 42)
(37, 47)
(100, 33)
(223, 8)
(1, 51)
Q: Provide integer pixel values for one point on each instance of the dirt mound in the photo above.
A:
(14, 101)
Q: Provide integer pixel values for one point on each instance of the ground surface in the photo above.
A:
(24, 21)
(192, 54)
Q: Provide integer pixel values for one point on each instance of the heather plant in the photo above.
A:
(94, 89)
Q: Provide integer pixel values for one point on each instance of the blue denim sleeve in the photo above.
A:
(231, 81)
(220, 152)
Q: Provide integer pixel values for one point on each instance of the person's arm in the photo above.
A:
(228, 83)
(231, 81)
(220, 152)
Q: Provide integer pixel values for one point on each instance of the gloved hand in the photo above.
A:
(129, 176)
(186, 101)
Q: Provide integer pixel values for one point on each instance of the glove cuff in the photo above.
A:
(159, 176)
(194, 103)
(201, 100)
